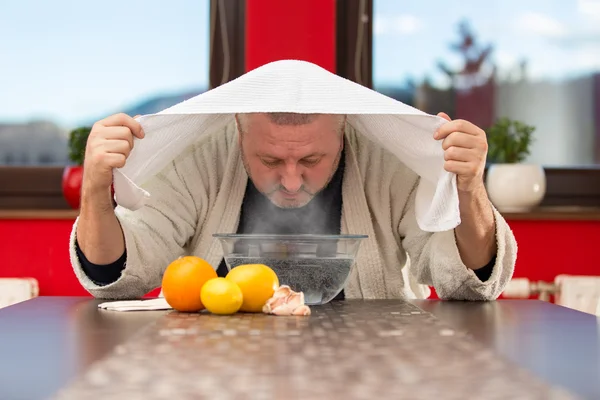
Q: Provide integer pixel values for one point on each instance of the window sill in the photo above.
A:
(543, 213)
(555, 213)
(31, 188)
(40, 188)
(38, 214)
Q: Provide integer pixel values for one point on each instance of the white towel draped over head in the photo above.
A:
(299, 87)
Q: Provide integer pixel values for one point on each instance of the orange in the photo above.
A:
(258, 282)
(221, 296)
(183, 280)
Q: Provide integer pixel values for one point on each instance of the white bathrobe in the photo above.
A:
(201, 191)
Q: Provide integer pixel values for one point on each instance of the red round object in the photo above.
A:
(71, 185)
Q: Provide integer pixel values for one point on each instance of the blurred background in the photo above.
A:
(67, 64)
(526, 72)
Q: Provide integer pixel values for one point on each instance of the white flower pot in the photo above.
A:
(515, 187)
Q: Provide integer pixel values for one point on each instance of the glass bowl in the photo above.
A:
(318, 265)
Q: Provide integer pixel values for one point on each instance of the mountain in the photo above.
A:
(159, 103)
(152, 105)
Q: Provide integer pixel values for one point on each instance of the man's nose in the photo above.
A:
(291, 178)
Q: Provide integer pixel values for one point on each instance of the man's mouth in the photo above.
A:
(288, 195)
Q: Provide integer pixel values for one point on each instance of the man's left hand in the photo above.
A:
(465, 151)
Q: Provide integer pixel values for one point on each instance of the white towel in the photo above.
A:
(301, 87)
(136, 305)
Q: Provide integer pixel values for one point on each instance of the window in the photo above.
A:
(66, 64)
(535, 61)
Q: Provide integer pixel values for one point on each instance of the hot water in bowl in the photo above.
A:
(317, 265)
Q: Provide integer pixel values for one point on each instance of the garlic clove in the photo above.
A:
(302, 310)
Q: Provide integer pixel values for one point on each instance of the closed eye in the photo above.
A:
(270, 163)
(311, 161)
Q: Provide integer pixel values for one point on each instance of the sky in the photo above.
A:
(69, 61)
(559, 38)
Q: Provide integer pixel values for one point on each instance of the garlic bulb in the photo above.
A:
(286, 302)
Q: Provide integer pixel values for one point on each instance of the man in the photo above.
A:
(271, 173)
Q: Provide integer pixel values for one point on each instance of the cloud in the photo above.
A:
(407, 24)
(540, 25)
(403, 24)
(586, 31)
(505, 60)
(573, 62)
(589, 9)
(583, 40)
(587, 60)
(380, 25)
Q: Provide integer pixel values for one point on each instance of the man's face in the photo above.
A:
(290, 164)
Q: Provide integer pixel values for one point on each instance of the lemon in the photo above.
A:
(258, 282)
(221, 296)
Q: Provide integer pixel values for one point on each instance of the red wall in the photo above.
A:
(290, 29)
(39, 249)
(549, 248)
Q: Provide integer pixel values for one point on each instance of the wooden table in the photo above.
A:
(46, 342)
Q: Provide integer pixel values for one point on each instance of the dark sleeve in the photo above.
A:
(484, 273)
(101, 274)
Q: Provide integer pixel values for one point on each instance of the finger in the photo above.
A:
(461, 139)
(124, 120)
(117, 147)
(114, 160)
(461, 168)
(461, 154)
(445, 116)
(118, 133)
(458, 125)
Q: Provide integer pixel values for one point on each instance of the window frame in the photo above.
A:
(565, 186)
(41, 187)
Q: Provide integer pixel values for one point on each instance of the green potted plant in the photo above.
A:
(73, 174)
(512, 184)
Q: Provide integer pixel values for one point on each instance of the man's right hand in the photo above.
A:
(109, 144)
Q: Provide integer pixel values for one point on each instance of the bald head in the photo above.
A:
(289, 119)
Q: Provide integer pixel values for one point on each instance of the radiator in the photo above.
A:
(578, 292)
(16, 290)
